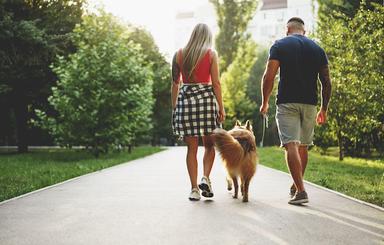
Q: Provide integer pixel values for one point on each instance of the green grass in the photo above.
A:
(22, 173)
(359, 178)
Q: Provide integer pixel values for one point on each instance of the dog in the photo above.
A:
(237, 148)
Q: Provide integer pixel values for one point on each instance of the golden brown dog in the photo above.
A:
(238, 151)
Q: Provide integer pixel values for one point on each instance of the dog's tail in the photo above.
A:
(228, 146)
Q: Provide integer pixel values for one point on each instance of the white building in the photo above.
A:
(267, 25)
(186, 21)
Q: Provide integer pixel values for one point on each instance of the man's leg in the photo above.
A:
(303, 152)
(292, 157)
(306, 134)
(192, 143)
(288, 124)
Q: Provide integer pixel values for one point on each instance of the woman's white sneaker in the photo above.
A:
(205, 186)
(195, 195)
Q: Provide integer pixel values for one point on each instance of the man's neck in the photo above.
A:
(295, 33)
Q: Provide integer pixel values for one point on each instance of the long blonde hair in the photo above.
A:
(198, 44)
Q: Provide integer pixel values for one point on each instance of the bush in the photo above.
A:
(104, 93)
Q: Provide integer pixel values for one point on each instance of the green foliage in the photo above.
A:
(356, 111)
(324, 138)
(161, 86)
(233, 17)
(234, 84)
(32, 33)
(104, 93)
(332, 8)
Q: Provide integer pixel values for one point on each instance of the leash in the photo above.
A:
(265, 125)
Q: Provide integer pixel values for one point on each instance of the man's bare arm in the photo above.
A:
(267, 83)
(326, 87)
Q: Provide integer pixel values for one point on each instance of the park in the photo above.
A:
(87, 153)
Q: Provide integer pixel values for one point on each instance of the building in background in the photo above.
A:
(186, 21)
(267, 25)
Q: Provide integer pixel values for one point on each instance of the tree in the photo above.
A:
(332, 8)
(104, 93)
(32, 33)
(237, 103)
(356, 111)
(233, 17)
(161, 87)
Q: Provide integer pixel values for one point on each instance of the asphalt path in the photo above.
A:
(146, 202)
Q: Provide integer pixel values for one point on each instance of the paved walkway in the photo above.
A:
(145, 202)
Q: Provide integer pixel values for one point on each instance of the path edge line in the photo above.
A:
(333, 191)
(74, 178)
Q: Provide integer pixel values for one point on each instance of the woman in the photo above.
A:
(195, 103)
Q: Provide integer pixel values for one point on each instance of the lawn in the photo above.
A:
(22, 173)
(359, 178)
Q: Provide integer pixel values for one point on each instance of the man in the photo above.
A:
(301, 62)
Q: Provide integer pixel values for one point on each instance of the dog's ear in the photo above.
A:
(248, 125)
(238, 123)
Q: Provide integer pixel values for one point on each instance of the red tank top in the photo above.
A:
(202, 72)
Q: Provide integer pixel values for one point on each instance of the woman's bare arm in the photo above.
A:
(215, 76)
(175, 80)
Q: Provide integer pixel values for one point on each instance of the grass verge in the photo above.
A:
(22, 173)
(360, 178)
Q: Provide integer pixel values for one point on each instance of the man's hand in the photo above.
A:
(264, 109)
(321, 117)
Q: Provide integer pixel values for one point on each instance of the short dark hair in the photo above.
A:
(296, 19)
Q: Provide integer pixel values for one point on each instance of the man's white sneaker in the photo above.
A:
(195, 195)
(205, 186)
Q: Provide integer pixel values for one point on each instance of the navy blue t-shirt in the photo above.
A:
(300, 62)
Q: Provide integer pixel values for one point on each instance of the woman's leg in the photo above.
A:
(192, 143)
(209, 154)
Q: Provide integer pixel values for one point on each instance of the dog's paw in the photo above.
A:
(234, 196)
(245, 199)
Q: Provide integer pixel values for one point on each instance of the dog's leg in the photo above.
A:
(229, 184)
(242, 186)
(236, 185)
(246, 185)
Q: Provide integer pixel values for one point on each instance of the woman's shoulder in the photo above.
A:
(212, 54)
(177, 52)
(177, 55)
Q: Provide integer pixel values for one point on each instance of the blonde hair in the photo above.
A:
(198, 44)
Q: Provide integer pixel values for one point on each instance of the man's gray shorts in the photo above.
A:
(296, 123)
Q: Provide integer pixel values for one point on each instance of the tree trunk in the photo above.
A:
(340, 142)
(21, 115)
(5, 122)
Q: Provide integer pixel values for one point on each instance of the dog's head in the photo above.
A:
(244, 135)
(247, 126)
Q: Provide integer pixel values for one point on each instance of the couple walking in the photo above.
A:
(198, 105)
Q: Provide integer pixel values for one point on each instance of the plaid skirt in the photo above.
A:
(196, 111)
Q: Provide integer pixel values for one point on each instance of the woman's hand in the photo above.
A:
(221, 115)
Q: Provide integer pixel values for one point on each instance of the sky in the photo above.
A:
(157, 16)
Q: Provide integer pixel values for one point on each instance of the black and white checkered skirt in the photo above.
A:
(196, 111)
